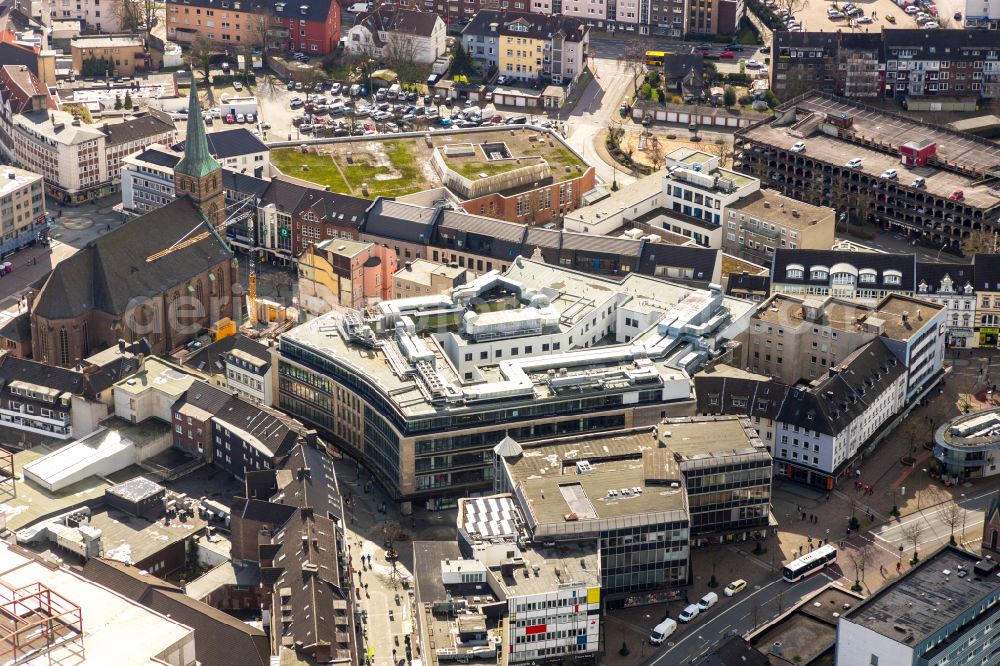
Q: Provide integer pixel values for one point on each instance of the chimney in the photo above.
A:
(906, 316)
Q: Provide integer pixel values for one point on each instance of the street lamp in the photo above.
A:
(964, 514)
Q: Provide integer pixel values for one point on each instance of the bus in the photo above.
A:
(655, 58)
(809, 563)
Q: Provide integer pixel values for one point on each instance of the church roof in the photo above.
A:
(108, 272)
(197, 161)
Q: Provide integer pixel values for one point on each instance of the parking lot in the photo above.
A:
(813, 16)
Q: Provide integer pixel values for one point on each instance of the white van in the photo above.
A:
(393, 92)
(662, 631)
(689, 613)
(472, 111)
(708, 601)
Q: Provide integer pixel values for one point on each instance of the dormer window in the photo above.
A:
(923, 287)
(794, 272)
(867, 276)
(892, 277)
(819, 273)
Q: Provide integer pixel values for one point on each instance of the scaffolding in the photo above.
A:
(8, 482)
(34, 621)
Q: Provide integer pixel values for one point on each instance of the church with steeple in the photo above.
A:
(141, 279)
(198, 175)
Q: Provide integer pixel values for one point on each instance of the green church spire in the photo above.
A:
(197, 161)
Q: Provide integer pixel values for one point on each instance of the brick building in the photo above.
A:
(908, 65)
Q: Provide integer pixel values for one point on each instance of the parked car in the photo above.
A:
(501, 80)
(298, 86)
(753, 64)
(889, 173)
(516, 120)
(290, 85)
(708, 601)
(727, 55)
(230, 118)
(918, 182)
(957, 195)
(335, 89)
(689, 613)
(799, 147)
(735, 587)
(240, 118)
(662, 631)
(853, 163)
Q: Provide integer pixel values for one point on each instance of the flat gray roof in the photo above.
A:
(927, 597)
(546, 568)
(700, 437)
(553, 487)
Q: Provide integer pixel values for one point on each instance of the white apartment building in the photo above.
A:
(690, 199)
(952, 287)
(22, 208)
(61, 148)
(821, 428)
(101, 16)
(79, 161)
(980, 14)
(915, 331)
(148, 179)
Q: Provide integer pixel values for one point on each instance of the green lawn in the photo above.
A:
(472, 170)
(322, 170)
(558, 157)
(407, 179)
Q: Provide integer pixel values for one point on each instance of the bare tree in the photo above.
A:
(128, 13)
(202, 49)
(723, 150)
(912, 534)
(860, 558)
(399, 51)
(261, 37)
(979, 241)
(150, 11)
(791, 6)
(655, 151)
(952, 516)
(634, 58)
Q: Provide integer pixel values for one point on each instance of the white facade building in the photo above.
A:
(102, 17)
(822, 427)
(690, 199)
(393, 33)
(22, 208)
(980, 14)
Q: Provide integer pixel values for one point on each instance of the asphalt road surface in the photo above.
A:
(734, 616)
(932, 523)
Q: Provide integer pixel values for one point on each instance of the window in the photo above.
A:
(874, 660)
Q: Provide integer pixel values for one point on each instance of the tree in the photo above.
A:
(952, 516)
(118, 102)
(399, 53)
(461, 62)
(149, 12)
(979, 241)
(80, 111)
(729, 96)
(791, 6)
(724, 151)
(634, 58)
(860, 557)
(912, 533)
(128, 100)
(201, 52)
(655, 149)
(192, 560)
(127, 14)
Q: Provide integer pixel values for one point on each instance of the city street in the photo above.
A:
(932, 523)
(738, 615)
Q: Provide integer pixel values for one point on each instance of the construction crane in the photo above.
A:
(187, 240)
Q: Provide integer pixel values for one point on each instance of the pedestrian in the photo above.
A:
(800, 549)
(828, 497)
(898, 566)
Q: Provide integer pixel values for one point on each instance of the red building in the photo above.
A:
(534, 205)
(308, 26)
(916, 153)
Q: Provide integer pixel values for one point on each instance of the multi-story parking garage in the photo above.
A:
(912, 176)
